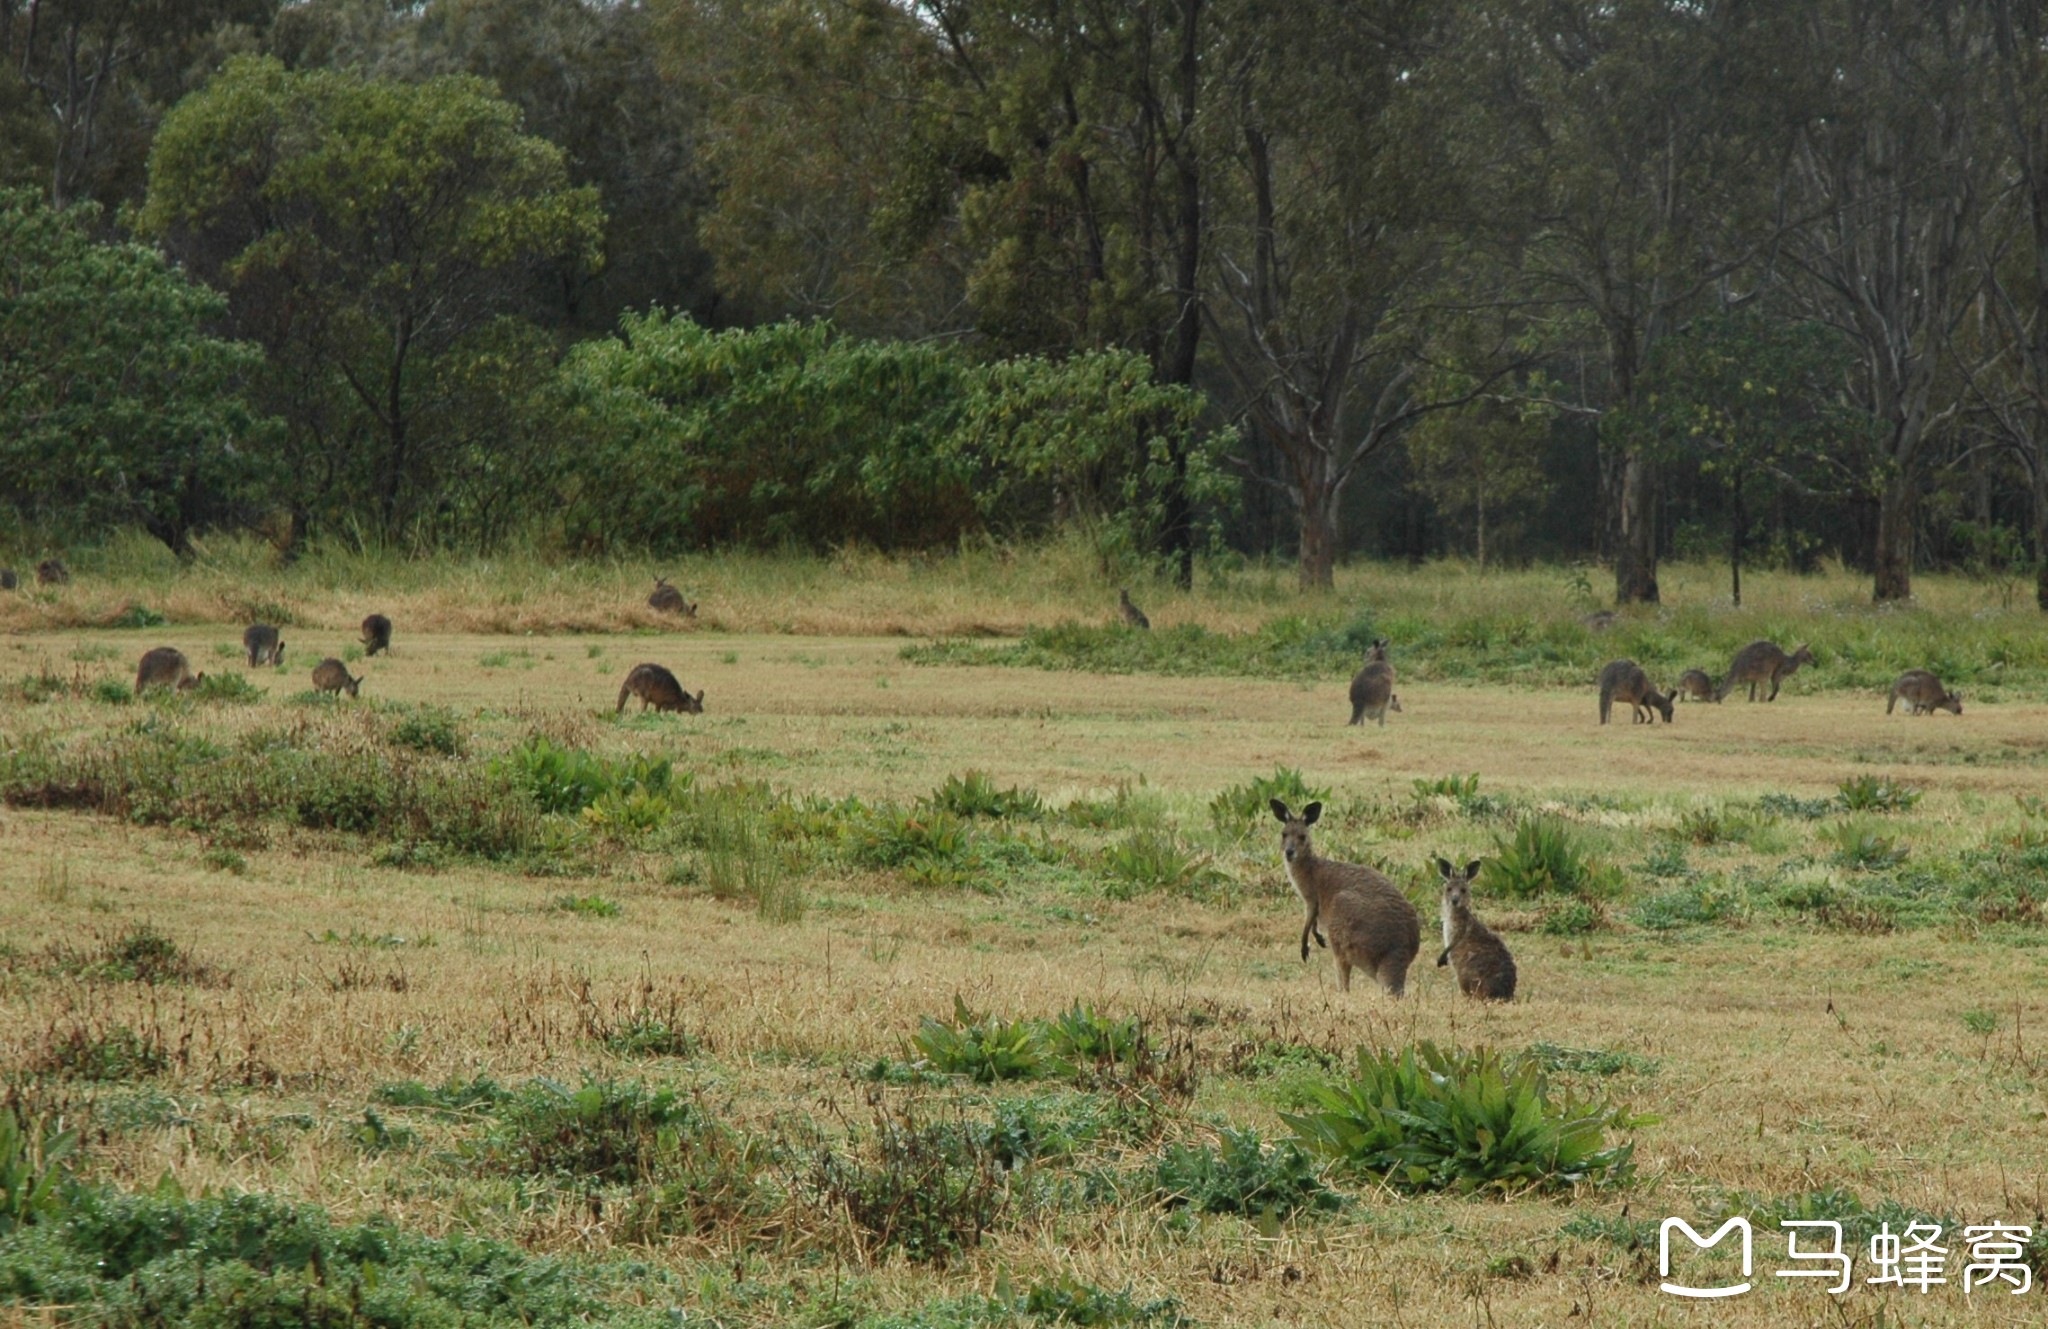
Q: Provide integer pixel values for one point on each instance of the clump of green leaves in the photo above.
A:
(1791, 805)
(1545, 857)
(589, 906)
(1242, 1175)
(1432, 1119)
(1876, 793)
(432, 729)
(31, 1170)
(599, 1131)
(568, 780)
(975, 795)
(928, 1189)
(1238, 808)
(231, 688)
(986, 1048)
(1154, 860)
(1863, 846)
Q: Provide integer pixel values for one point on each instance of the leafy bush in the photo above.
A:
(1243, 1176)
(590, 906)
(930, 1191)
(975, 795)
(1154, 861)
(1864, 847)
(137, 616)
(31, 1168)
(568, 780)
(599, 1131)
(1802, 809)
(430, 729)
(1427, 1119)
(1698, 902)
(1240, 807)
(1081, 1034)
(232, 688)
(111, 691)
(1570, 918)
(1587, 1061)
(452, 1098)
(103, 1054)
(1459, 787)
(140, 954)
(987, 1048)
(893, 837)
(1875, 793)
(1544, 857)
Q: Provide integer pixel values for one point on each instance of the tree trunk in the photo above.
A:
(1740, 524)
(1635, 554)
(1892, 554)
(2041, 532)
(1318, 542)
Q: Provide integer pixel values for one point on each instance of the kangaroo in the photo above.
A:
(657, 687)
(1371, 924)
(331, 675)
(376, 634)
(1924, 694)
(669, 600)
(1601, 620)
(8, 581)
(1694, 685)
(1480, 959)
(1762, 662)
(263, 644)
(166, 667)
(1624, 680)
(52, 572)
(1133, 616)
(1372, 687)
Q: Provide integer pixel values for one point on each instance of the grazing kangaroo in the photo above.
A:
(1924, 694)
(1762, 662)
(1372, 687)
(263, 644)
(8, 581)
(1371, 925)
(669, 600)
(1695, 685)
(1624, 680)
(166, 667)
(1133, 616)
(657, 687)
(1480, 959)
(52, 572)
(376, 634)
(331, 675)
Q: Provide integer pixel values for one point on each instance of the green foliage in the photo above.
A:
(987, 1048)
(231, 688)
(975, 795)
(927, 1190)
(1557, 1058)
(1242, 806)
(1243, 1176)
(601, 1130)
(117, 404)
(1459, 787)
(588, 906)
(1791, 805)
(1544, 857)
(31, 1170)
(1428, 1119)
(1874, 793)
(137, 616)
(111, 691)
(1694, 904)
(1864, 846)
(430, 729)
(1154, 860)
(454, 1098)
(1570, 918)
(567, 780)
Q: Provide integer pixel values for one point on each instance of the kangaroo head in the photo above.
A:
(1664, 707)
(1953, 703)
(690, 609)
(1394, 703)
(190, 681)
(1377, 651)
(694, 705)
(1294, 841)
(1458, 884)
(1803, 656)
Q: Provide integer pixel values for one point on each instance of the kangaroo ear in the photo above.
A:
(1310, 813)
(1443, 867)
(700, 696)
(1280, 809)
(1472, 869)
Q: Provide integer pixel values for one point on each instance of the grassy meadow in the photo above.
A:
(944, 972)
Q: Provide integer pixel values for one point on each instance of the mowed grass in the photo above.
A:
(1801, 1012)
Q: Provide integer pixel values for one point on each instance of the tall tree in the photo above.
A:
(371, 236)
(1890, 173)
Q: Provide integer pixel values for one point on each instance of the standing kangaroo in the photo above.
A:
(1133, 616)
(1624, 680)
(657, 687)
(1762, 662)
(1924, 694)
(331, 675)
(376, 634)
(1372, 687)
(1371, 925)
(1480, 959)
(669, 600)
(52, 572)
(1695, 685)
(166, 667)
(263, 644)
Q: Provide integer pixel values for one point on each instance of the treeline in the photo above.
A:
(1508, 277)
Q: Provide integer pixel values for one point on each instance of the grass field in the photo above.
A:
(337, 953)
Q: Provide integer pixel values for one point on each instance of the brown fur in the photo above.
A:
(1600, 620)
(1924, 694)
(1624, 680)
(1479, 958)
(52, 572)
(263, 644)
(376, 634)
(1762, 662)
(1372, 687)
(657, 687)
(166, 667)
(669, 600)
(1133, 615)
(1370, 923)
(331, 675)
(1696, 685)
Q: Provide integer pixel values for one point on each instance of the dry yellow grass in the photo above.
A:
(1791, 1059)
